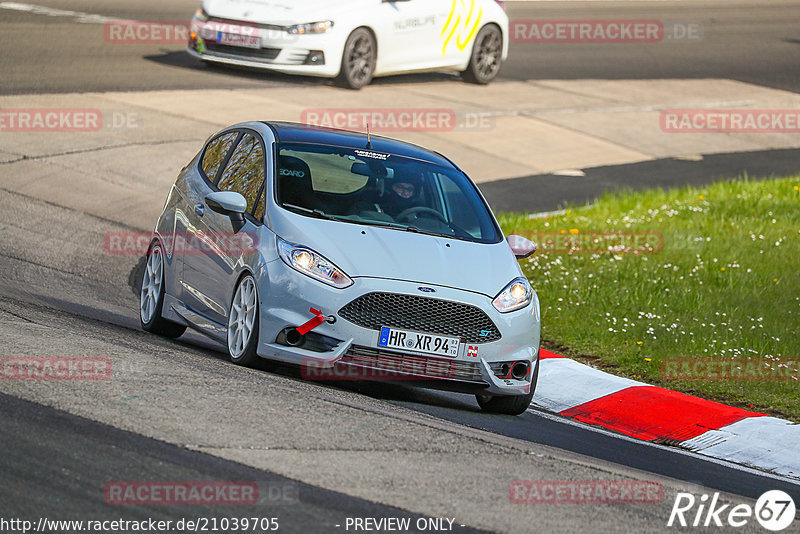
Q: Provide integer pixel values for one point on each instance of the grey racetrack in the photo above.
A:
(178, 410)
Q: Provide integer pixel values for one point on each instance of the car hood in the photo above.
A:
(369, 251)
(278, 11)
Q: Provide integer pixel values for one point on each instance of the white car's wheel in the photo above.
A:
(151, 297)
(487, 56)
(243, 323)
(358, 59)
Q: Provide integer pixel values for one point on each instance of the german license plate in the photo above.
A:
(393, 338)
(236, 39)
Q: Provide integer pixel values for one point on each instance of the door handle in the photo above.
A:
(200, 209)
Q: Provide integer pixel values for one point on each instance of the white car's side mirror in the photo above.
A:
(520, 246)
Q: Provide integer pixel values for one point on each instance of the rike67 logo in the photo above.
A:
(774, 510)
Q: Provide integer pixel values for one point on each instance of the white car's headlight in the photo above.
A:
(312, 27)
(515, 296)
(201, 15)
(312, 264)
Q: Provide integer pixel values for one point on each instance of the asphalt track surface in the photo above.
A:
(55, 463)
(754, 42)
(38, 478)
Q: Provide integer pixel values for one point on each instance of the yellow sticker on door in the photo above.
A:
(462, 24)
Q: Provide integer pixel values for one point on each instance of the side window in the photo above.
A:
(215, 154)
(245, 173)
(462, 213)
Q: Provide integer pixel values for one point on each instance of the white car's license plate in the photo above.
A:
(393, 338)
(235, 39)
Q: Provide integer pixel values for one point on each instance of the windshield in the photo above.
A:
(376, 188)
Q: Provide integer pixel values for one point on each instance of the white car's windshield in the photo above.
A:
(376, 188)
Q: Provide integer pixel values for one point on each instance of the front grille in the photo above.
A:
(395, 363)
(241, 51)
(433, 316)
(222, 23)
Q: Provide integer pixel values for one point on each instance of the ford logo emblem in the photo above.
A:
(426, 289)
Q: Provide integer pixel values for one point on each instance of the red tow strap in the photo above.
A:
(313, 323)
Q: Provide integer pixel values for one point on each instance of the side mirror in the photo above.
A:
(229, 203)
(520, 246)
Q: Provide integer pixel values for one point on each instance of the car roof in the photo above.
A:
(291, 132)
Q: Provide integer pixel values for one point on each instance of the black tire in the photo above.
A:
(153, 282)
(358, 59)
(487, 56)
(509, 404)
(246, 355)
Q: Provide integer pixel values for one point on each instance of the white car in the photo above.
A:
(354, 40)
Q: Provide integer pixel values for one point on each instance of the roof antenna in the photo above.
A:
(369, 143)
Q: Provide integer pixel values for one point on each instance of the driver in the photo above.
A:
(404, 192)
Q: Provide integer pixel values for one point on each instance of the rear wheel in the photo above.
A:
(151, 297)
(243, 323)
(487, 56)
(358, 59)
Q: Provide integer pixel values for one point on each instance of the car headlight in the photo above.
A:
(201, 15)
(312, 264)
(312, 27)
(515, 296)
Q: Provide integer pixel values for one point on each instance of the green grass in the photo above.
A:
(725, 285)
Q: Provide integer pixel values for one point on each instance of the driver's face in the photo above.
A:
(404, 190)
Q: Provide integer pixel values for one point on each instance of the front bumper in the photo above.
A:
(312, 54)
(287, 297)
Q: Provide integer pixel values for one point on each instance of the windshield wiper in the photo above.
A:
(380, 224)
(418, 230)
(396, 226)
(316, 212)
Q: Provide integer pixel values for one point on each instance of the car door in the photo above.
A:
(411, 34)
(464, 20)
(217, 246)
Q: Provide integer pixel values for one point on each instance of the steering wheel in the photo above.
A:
(407, 213)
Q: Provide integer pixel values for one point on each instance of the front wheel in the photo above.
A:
(151, 297)
(509, 405)
(487, 56)
(358, 59)
(243, 323)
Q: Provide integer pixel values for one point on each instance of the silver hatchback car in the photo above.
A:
(355, 257)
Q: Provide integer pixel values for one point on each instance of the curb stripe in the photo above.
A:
(565, 383)
(650, 413)
(653, 413)
(546, 354)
